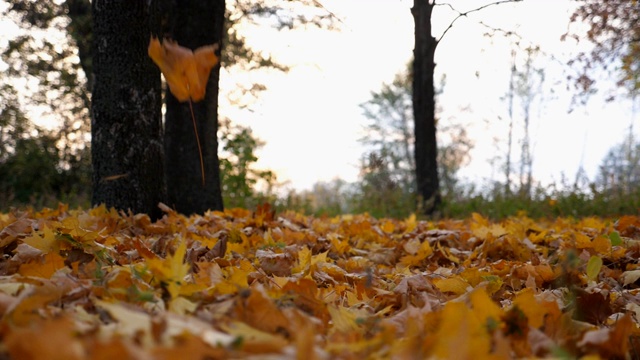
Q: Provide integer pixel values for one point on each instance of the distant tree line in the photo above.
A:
(41, 165)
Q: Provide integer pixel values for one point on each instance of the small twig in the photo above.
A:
(509, 33)
(466, 13)
(327, 10)
(505, 33)
(195, 130)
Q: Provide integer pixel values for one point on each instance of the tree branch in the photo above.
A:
(466, 13)
(318, 3)
(519, 39)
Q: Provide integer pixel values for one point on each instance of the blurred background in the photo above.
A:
(536, 106)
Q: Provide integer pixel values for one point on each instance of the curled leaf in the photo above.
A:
(186, 71)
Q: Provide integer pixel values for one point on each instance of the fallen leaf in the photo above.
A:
(45, 339)
(44, 267)
(630, 277)
(593, 267)
(44, 240)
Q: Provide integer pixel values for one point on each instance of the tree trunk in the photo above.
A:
(424, 107)
(126, 127)
(197, 23)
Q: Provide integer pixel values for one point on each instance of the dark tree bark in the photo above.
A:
(424, 108)
(126, 127)
(197, 23)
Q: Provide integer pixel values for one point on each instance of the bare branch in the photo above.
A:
(466, 13)
(505, 33)
(318, 3)
(518, 40)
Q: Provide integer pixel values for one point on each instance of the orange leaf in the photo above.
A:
(602, 244)
(46, 339)
(186, 71)
(49, 264)
(193, 345)
(260, 312)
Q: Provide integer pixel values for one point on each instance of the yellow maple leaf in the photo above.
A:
(461, 335)
(423, 251)
(344, 319)
(387, 226)
(410, 223)
(240, 274)
(456, 285)
(582, 240)
(339, 245)
(182, 306)
(304, 260)
(253, 338)
(44, 241)
(479, 220)
(483, 306)
(235, 278)
(474, 276)
(483, 229)
(592, 223)
(172, 270)
(527, 303)
(319, 258)
(72, 226)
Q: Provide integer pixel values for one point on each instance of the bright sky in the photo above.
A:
(310, 117)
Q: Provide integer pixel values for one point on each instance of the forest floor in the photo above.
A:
(99, 284)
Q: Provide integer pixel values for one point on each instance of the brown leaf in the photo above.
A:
(19, 227)
(612, 343)
(275, 264)
(260, 312)
(593, 308)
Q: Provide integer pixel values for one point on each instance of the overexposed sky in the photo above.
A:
(310, 117)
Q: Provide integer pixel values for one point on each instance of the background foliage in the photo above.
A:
(42, 164)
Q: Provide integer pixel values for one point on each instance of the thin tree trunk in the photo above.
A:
(525, 171)
(510, 97)
(406, 147)
(126, 128)
(424, 108)
(197, 23)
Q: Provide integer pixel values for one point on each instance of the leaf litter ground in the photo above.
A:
(99, 284)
